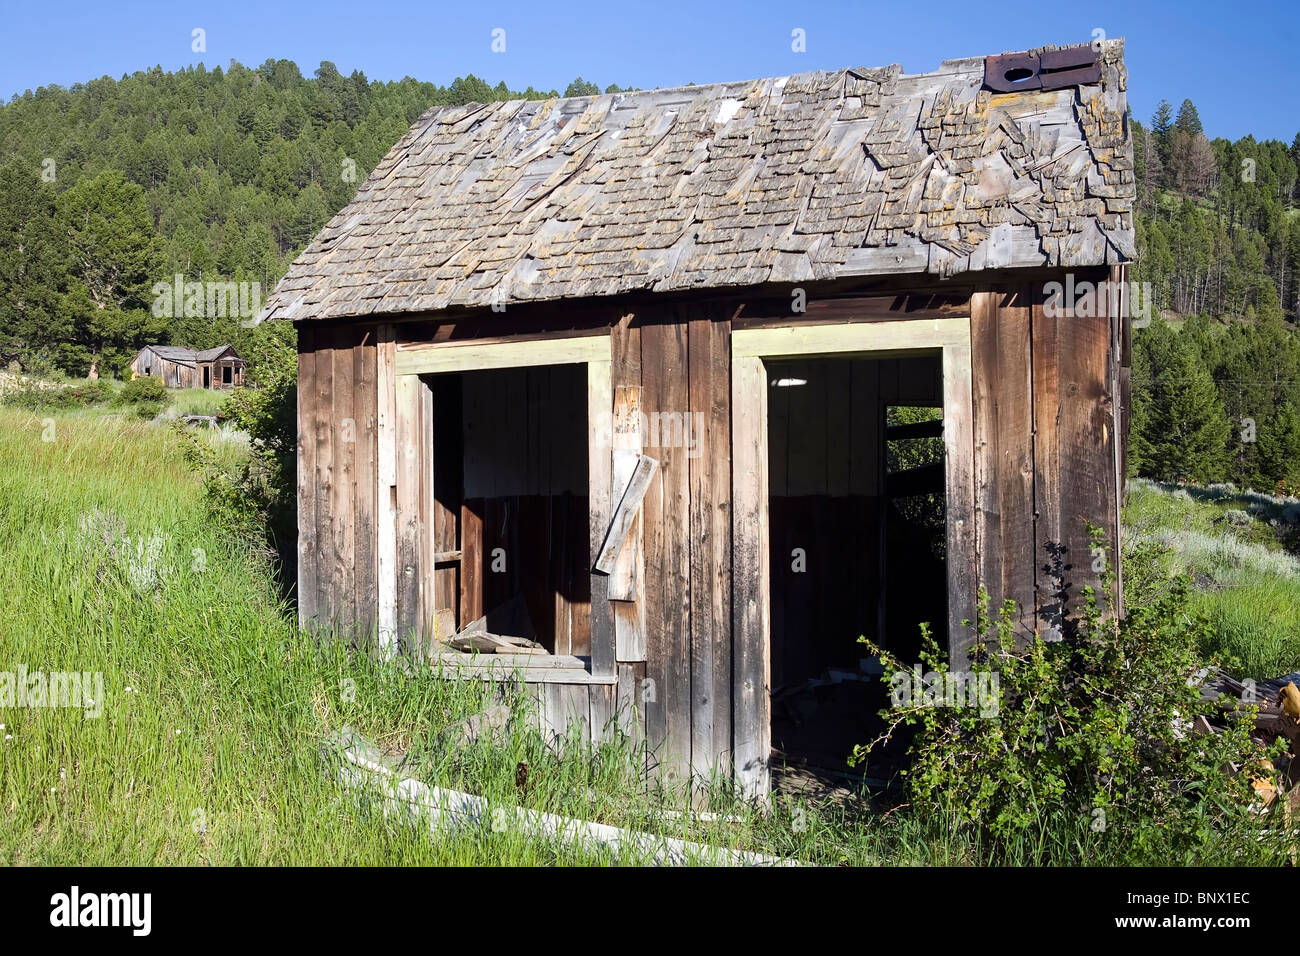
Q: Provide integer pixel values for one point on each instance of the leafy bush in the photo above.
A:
(1094, 729)
(258, 498)
(37, 396)
(146, 388)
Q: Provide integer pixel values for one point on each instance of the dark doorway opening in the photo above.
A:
(510, 485)
(207, 376)
(857, 535)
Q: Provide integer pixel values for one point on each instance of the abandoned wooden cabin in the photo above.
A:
(690, 388)
(180, 367)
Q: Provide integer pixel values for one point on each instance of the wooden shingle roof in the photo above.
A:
(857, 172)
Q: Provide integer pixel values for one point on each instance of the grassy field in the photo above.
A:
(1235, 545)
(214, 706)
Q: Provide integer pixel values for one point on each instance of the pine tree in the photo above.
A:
(106, 234)
(1186, 430)
(1188, 121)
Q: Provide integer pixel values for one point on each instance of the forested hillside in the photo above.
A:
(114, 185)
(1216, 389)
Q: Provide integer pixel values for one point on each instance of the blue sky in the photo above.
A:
(1237, 62)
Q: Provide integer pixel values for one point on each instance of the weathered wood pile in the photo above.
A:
(1277, 702)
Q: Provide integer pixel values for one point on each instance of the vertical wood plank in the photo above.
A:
(308, 589)
(343, 426)
(386, 491)
(471, 561)
(409, 530)
(666, 400)
(1004, 473)
(627, 583)
(625, 374)
(709, 343)
(1122, 385)
(428, 510)
(601, 697)
(1048, 556)
(752, 727)
(959, 455)
(365, 409)
(323, 428)
(629, 709)
(600, 407)
(1087, 437)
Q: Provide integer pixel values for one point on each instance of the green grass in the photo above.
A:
(1247, 580)
(197, 401)
(110, 564)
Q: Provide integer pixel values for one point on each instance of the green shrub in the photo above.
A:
(39, 396)
(33, 397)
(146, 388)
(258, 500)
(1091, 733)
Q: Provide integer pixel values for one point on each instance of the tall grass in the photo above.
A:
(215, 706)
(1232, 543)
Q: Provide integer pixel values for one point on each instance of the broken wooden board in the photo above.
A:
(624, 514)
(360, 767)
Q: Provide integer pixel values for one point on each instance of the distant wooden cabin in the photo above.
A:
(693, 387)
(179, 367)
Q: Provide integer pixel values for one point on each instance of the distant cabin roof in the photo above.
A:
(858, 172)
(187, 356)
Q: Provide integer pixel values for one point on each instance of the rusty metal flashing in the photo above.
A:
(1049, 70)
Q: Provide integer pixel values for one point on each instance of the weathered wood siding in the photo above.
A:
(337, 487)
(680, 360)
(1048, 447)
(1046, 418)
